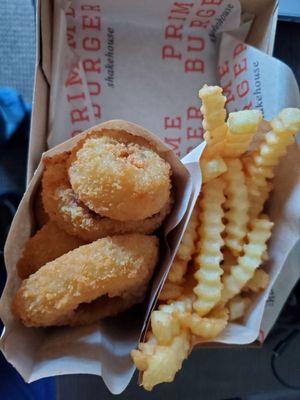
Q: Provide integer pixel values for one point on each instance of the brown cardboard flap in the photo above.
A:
(46, 23)
(262, 32)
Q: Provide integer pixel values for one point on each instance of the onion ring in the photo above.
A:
(45, 245)
(118, 178)
(63, 207)
(111, 266)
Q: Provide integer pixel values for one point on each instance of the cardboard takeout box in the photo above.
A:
(261, 36)
(243, 72)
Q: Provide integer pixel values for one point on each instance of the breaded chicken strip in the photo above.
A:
(46, 245)
(111, 266)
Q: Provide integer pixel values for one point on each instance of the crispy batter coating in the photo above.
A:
(104, 306)
(118, 179)
(41, 217)
(112, 266)
(45, 245)
(64, 207)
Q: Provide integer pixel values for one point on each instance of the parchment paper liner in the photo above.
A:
(104, 348)
(283, 207)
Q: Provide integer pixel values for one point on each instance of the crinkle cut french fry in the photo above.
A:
(208, 249)
(214, 113)
(236, 205)
(177, 271)
(164, 361)
(259, 281)
(284, 128)
(212, 168)
(164, 326)
(169, 344)
(162, 355)
(228, 262)
(187, 244)
(203, 327)
(257, 202)
(256, 176)
(170, 291)
(247, 264)
(259, 165)
(142, 355)
(233, 194)
(164, 323)
(265, 256)
(242, 126)
(185, 251)
(258, 185)
(219, 312)
(237, 307)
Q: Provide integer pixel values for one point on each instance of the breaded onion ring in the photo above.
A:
(103, 307)
(119, 179)
(47, 244)
(41, 217)
(74, 217)
(111, 266)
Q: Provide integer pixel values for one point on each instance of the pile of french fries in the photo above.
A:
(218, 266)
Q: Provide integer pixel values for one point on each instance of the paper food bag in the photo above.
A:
(104, 348)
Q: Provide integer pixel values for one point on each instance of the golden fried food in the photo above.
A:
(120, 180)
(212, 168)
(238, 306)
(74, 217)
(170, 291)
(46, 245)
(40, 214)
(209, 255)
(161, 356)
(229, 260)
(259, 164)
(214, 114)
(251, 259)
(173, 325)
(232, 237)
(103, 307)
(111, 266)
(160, 363)
(242, 126)
(259, 281)
(185, 251)
(236, 205)
(203, 327)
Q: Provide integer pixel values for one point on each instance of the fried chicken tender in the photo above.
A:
(71, 215)
(121, 180)
(112, 266)
(46, 245)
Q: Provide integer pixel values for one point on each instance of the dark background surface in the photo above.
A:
(208, 373)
